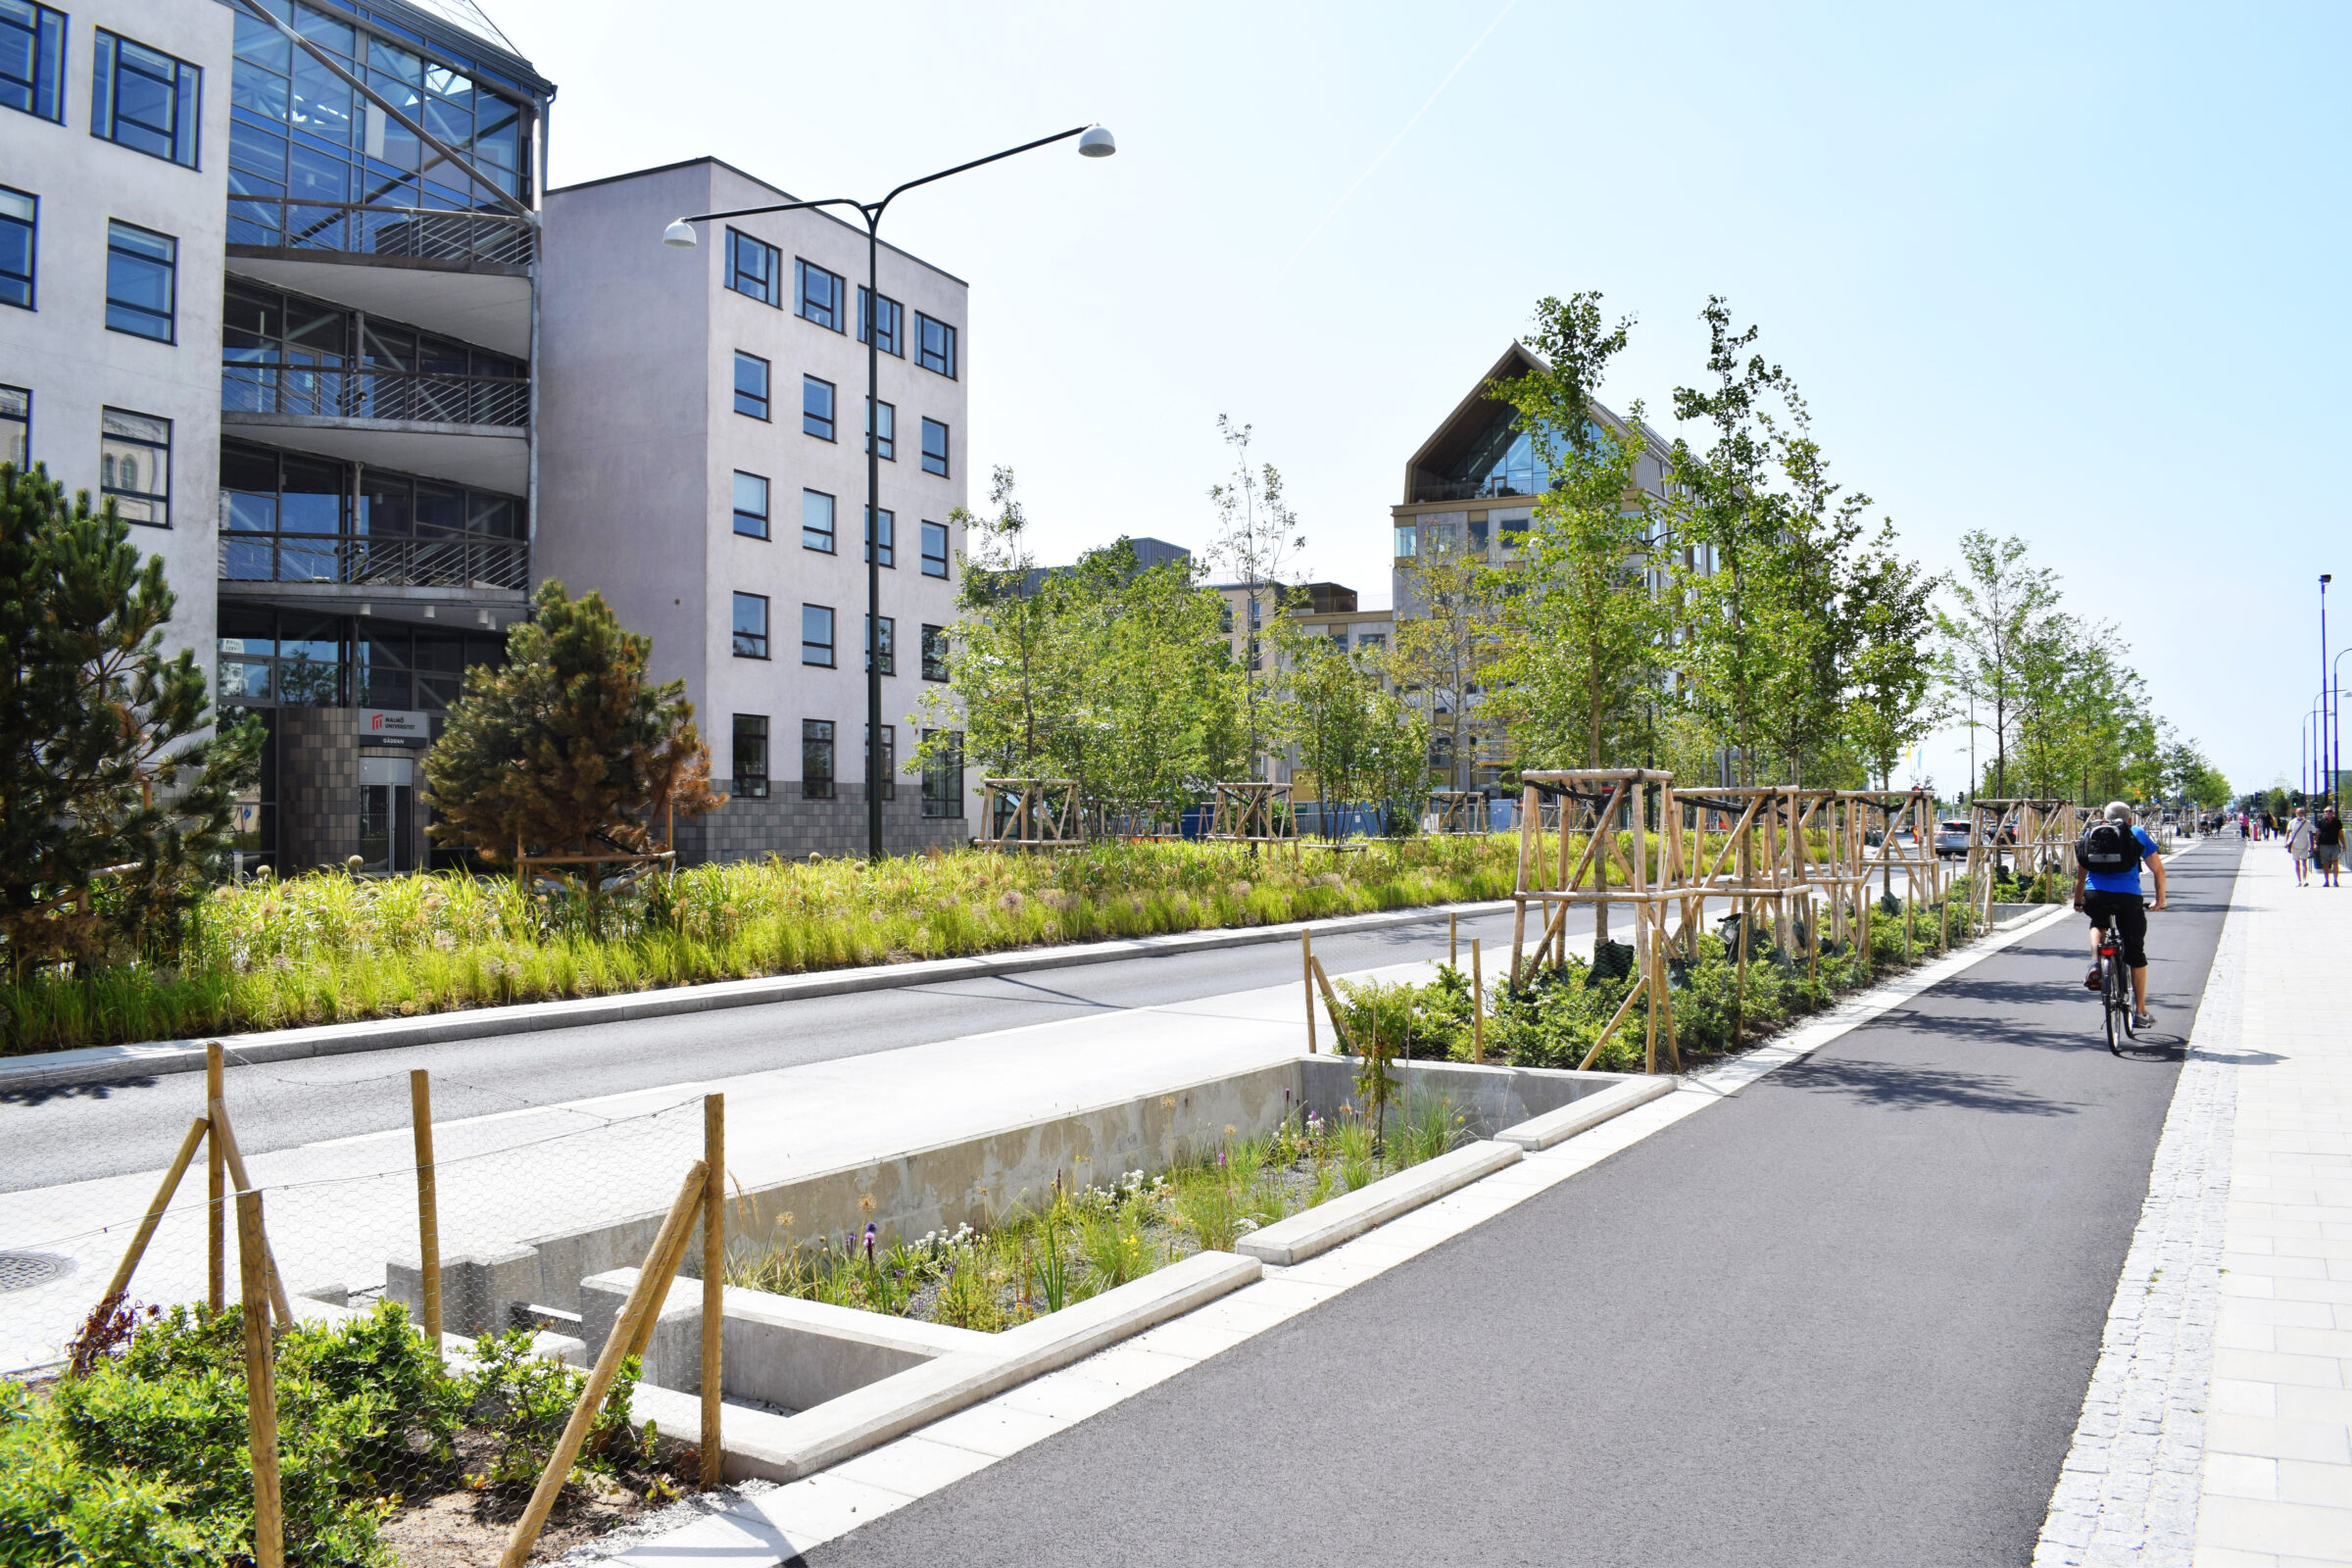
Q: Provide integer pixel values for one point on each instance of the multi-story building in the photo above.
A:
(703, 470)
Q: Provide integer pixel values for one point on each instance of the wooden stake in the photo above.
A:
(644, 1297)
(261, 1385)
(216, 1190)
(1478, 1005)
(1331, 999)
(1306, 982)
(227, 1142)
(428, 1213)
(1454, 948)
(715, 1281)
(121, 1283)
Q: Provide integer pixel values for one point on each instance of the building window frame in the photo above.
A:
(890, 759)
(754, 404)
(816, 758)
(935, 345)
(890, 321)
(42, 93)
(754, 269)
(19, 213)
(817, 624)
(179, 84)
(818, 294)
(751, 632)
(885, 429)
(819, 398)
(886, 642)
(935, 452)
(750, 501)
(890, 538)
(934, 653)
(141, 264)
(817, 522)
(124, 436)
(748, 761)
(943, 775)
(935, 560)
(16, 426)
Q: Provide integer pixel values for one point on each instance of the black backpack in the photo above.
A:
(2108, 847)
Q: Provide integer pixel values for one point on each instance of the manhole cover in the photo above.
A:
(21, 1271)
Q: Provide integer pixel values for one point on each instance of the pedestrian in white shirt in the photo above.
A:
(2298, 845)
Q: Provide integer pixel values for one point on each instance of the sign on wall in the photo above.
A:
(393, 723)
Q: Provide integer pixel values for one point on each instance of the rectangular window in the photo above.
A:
(887, 644)
(890, 321)
(751, 756)
(885, 431)
(817, 408)
(751, 505)
(816, 521)
(1371, 639)
(755, 267)
(19, 221)
(820, 294)
(33, 59)
(1408, 541)
(751, 625)
(943, 773)
(750, 386)
(890, 759)
(889, 552)
(145, 99)
(935, 345)
(935, 549)
(134, 466)
(816, 758)
(934, 653)
(16, 426)
(142, 271)
(934, 448)
(817, 635)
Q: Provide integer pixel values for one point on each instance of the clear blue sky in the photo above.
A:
(2064, 273)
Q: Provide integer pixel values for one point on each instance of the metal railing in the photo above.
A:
(421, 233)
(1491, 488)
(379, 562)
(432, 396)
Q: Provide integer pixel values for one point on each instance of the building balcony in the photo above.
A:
(473, 429)
(466, 568)
(467, 273)
(1494, 487)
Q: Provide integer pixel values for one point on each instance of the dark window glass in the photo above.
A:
(817, 635)
(816, 758)
(817, 408)
(934, 653)
(943, 773)
(750, 626)
(751, 756)
(889, 552)
(820, 294)
(19, 216)
(886, 432)
(934, 448)
(890, 319)
(887, 644)
(141, 279)
(934, 345)
(890, 759)
(753, 268)
(144, 98)
(751, 505)
(134, 466)
(16, 426)
(816, 521)
(935, 549)
(750, 386)
(33, 59)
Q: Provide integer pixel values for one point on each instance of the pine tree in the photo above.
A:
(109, 760)
(567, 749)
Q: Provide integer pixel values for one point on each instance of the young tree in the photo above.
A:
(1161, 701)
(2005, 607)
(1357, 739)
(1009, 663)
(1448, 609)
(1257, 535)
(565, 749)
(1891, 681)
(108, 757)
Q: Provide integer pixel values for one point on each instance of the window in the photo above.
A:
(889, 552)
(935, 549)
(816, 521)
(145, 99)
(885, 430)
(751, 625)
(754, 269)
(817, 635)
(142, 272)
(943, 773)
(890, 759)
(1225, 618)
(934, 653)
(16, 426)
(890, 319)
(751, 756)
(751, 505)
(887, 644)
(1408, 541)
(33, 59)
(134, 466)
(750, 386)
(1371, 639)
(817, 408)
(19, 216)
(934, 448)
(935, 345)
(816, 758)
(820, 294)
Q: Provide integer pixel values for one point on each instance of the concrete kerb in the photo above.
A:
(113, 1064)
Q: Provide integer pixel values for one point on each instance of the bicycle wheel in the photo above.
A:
(2111, 1000)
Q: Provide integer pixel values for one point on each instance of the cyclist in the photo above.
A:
(2117, 846)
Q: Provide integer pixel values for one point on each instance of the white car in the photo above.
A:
(1951, 838)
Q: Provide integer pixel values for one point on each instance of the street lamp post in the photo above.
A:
(1093, 141)
(2325, 580)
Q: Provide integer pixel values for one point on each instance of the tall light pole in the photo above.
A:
(2325, 580)
(1093, 141)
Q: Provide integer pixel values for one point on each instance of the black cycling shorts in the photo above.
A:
(2131, 918)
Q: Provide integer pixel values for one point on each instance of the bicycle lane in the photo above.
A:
(1846, 1317)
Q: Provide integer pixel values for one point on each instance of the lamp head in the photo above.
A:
(1097, 142)
(679, 235)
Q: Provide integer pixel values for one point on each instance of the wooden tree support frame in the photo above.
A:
(1458, 810)
(1032, 813)
(2025, 836)
(1252, 812)
(1755, 846)
(1892, 816)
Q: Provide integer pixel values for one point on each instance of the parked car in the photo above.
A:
(1951, 838)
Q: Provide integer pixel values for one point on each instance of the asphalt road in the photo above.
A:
(77, 1133)
(1846, 1317)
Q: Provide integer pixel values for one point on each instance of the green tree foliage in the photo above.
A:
(1893, 694)
(1445, 641)
(567, 749)
(1353, 735)
(108, 754)
(1257, 534)
(2001, 624)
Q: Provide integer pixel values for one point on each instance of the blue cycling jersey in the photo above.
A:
(2122, 881)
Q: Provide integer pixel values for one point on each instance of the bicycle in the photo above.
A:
(2115, 983)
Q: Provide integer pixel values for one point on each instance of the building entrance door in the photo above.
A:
(387, 814)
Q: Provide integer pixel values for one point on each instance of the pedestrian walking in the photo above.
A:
(2328, 845)
(2298, 845)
